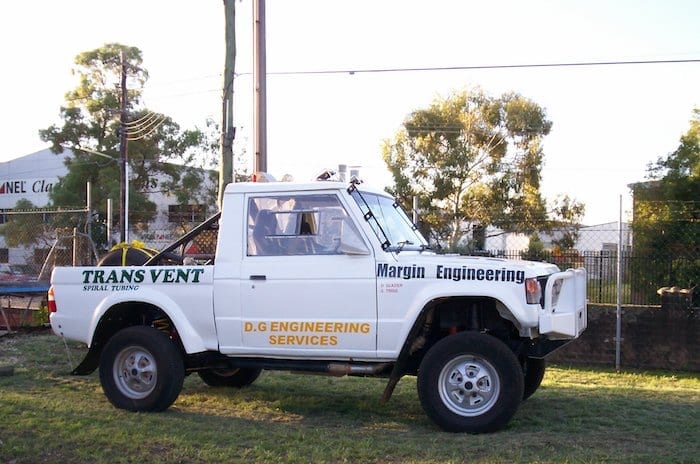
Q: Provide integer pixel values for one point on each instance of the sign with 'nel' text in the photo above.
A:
(26, 186)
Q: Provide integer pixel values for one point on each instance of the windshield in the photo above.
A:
(389, 222)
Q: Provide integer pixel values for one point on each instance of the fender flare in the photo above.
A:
(188, 336)
(438, 291)
(420, 313)
(191, 340)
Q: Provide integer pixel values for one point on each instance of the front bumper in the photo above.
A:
(564, 314)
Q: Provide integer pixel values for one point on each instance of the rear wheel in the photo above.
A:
(533, 370)
(141, 369)
(241, 377)
(470, 382)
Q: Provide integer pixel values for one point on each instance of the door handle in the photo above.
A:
(258, 277)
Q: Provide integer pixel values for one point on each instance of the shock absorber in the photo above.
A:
(162, 324)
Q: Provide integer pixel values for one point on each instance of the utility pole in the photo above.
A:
(260, 78)
(228, 132)
(123, 157)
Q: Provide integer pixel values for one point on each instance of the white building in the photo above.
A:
(595, 248)
(604, 237)
(32, 177)
(29, 177)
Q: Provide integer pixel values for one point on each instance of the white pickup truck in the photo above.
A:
(322, 278)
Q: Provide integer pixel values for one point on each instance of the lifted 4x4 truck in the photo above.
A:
(321, 278)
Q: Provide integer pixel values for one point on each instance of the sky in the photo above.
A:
(609, 122)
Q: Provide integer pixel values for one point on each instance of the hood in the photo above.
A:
(409, 265)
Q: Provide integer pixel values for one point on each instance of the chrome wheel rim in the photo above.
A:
(469, 385)
(135, 372)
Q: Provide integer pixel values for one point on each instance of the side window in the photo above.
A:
(287, 225)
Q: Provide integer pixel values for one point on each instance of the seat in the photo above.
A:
(264, 229)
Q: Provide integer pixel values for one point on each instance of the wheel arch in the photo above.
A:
(129, 314)
(444, 316)
(448, 315)
(153, 299)
(123, 314)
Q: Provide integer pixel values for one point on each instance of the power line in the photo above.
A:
(141, 121)
(147, 129)
(417, 69)
(476, 67)
(144, 135)
(426, 69)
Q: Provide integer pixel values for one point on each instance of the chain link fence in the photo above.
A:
(32, 242)
(657, 259)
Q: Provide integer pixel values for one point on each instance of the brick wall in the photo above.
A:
(652, 338)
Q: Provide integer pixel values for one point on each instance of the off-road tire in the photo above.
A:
(237, 378)
(470, 382)
(141, 369)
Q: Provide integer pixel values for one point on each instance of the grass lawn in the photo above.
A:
(577, 416)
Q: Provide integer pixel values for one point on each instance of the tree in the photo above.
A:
(158, 150)
(472, 159)
(535, 250)
(567, 214)
(26, 229)
(666, 221)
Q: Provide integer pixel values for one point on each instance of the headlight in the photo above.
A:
(556, 290)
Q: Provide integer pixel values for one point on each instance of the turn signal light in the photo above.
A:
(533, 291)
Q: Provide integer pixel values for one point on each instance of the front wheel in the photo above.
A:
(470, 382)
(237, 378)
(141, 369)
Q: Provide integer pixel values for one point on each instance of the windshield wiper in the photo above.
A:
(400, 245)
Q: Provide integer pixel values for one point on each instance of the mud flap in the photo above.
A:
(89, 363)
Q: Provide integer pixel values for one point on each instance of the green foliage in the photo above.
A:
(535, 250)
(567, 214)
(193, 180)
(38, 317)
(666, 221)
(91, 115)
(472, 158)
(160, 154)
(26, 229)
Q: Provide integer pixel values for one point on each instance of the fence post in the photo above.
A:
(75, 246)
(88, 210)
(600, 275)
(109, 223)
(618, 328)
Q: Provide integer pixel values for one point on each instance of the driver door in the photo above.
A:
(308, 283)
